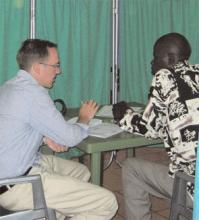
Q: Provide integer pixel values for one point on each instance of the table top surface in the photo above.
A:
(119, 141)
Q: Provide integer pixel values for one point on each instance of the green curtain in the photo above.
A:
(14, 28)
(82, 30)
(185, 19)
(141, 23)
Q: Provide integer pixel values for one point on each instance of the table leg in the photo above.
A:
(96, 168)
(130, 152)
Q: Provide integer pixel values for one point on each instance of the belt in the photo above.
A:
(5, 188)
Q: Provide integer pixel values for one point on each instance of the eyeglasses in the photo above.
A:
(56, 66)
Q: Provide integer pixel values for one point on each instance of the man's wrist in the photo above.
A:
(82, 121)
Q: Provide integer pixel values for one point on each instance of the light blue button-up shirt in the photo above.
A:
(27, 114)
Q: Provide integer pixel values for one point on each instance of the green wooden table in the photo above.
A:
(96, 146)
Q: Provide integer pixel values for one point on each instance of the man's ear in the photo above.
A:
(36, 68)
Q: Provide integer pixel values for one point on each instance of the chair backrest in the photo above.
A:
(179, 202)
(61, 106)
(39, 210)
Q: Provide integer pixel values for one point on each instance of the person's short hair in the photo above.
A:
(176, 40)
(33, 50)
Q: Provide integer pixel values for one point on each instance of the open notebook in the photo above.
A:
(104, 130)
(100, 129)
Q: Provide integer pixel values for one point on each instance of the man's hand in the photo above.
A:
(87, 111)
(54, 146)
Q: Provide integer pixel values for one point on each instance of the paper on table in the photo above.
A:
(104, 130)
(99, 129)
(93, 122)
(105, 111)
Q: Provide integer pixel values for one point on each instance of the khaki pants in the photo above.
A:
(66, 190)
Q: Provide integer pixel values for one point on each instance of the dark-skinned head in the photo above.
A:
(168, 50)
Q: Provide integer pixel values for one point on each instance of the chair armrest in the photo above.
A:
(184, 177)
(37, 187)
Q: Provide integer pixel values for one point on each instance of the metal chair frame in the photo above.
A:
(39, 210)
(179, 198)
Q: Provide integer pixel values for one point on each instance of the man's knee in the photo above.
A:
(85, 172)
(131, 164)
(113, 202)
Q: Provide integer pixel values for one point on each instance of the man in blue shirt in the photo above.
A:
(28, 116)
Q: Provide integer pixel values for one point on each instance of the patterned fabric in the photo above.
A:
(172, 114)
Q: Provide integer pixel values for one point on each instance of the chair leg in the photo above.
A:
(51, 214)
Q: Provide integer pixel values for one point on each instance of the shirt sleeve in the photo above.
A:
(49, 122)
(152, 122)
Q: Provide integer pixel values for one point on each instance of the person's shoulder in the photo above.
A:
(186, 68)
(24, 86)
(195, 67)
(164, 78)
(27, 84)
(162, 75)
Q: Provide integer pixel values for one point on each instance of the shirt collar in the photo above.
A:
(181, 65)
(26, 75)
